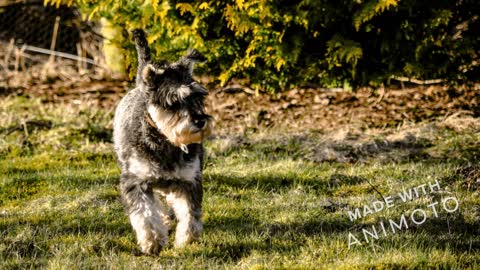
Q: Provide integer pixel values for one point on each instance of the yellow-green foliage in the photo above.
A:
(112, 50)
(278, 44)
(370, 9)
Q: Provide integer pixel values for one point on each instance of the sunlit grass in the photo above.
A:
(267, 203)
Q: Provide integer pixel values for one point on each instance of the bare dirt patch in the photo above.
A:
(295, 110)
(321, 109)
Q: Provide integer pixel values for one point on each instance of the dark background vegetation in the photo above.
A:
(281, 44)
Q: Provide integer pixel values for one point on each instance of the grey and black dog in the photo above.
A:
(158, 131)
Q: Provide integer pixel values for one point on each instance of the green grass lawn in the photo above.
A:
(273, 200)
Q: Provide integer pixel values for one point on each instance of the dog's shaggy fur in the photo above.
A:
(158, 130)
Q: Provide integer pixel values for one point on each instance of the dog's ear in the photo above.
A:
(193, 56)
(149, 72)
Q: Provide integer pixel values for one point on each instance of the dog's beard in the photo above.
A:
(180, 132)
(190, 134)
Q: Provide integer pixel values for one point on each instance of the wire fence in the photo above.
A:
(33, 24)
(45, 43)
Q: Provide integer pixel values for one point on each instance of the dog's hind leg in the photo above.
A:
(145, 213)
(186, 200)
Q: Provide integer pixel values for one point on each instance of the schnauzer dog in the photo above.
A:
(158, 130)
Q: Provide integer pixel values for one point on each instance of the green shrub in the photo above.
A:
(279, 44)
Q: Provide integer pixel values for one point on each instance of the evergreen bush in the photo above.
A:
(278, 44)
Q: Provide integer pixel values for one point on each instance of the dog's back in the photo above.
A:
(127, 127)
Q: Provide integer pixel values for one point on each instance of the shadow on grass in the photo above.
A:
(32, 184)
(446, 232)
(282, 182)
(29, 232)
(313, 226)
(268, 236)
(21, 186)
(27, 236)
(252, 233)
(449, 232)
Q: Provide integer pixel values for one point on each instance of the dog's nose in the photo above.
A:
(200, 123)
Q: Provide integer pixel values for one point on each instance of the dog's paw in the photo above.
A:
(187, 234)
(152, 245)
(152, 234)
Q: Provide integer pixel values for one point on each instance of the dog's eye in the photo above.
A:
(175, 107)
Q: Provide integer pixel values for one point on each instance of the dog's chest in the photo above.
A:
(143, 168)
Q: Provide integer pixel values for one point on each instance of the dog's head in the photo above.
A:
(176, 101)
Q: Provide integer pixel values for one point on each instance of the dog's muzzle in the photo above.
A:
(194, 133)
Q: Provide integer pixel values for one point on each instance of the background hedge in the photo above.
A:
(278, 44)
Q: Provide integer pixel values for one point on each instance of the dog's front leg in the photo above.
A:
(145, 213)
(185, 198)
